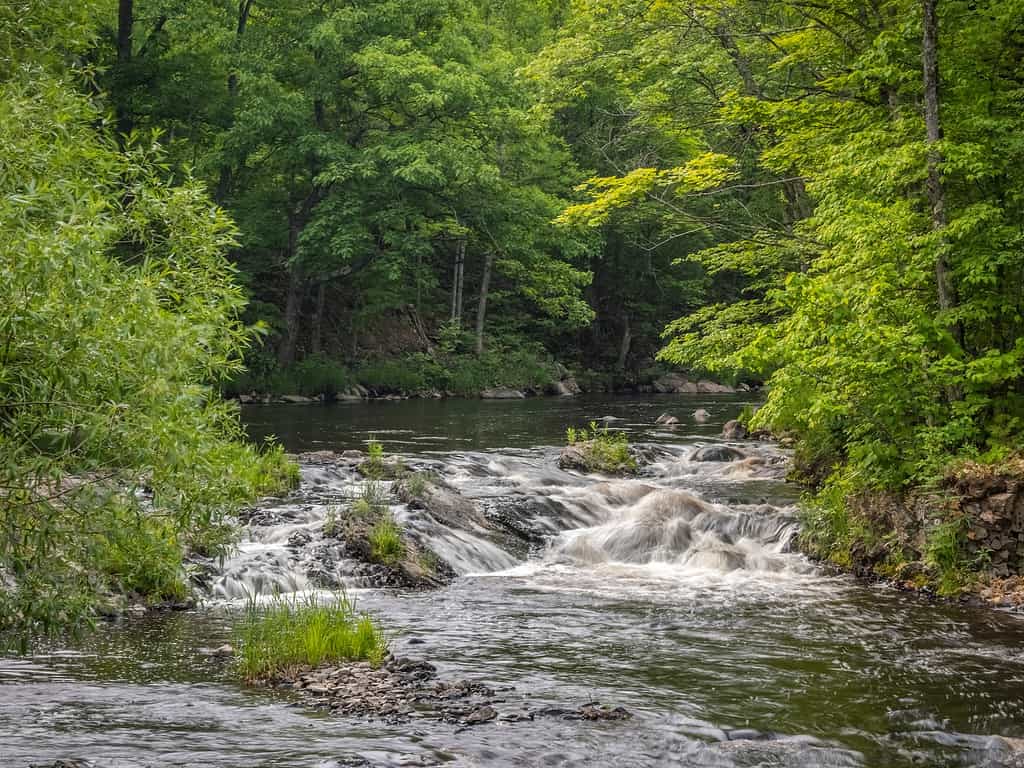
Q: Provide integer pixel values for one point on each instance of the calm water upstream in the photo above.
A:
(676, 595)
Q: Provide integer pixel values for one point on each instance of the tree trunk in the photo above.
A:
(457, 274)
(421, 331)
(296, 294)
(316, 343)
(624, 345)
(125, 35)
(936, 194)
(225, 177)
(481, 307)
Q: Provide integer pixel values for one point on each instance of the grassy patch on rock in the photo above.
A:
(597, 449)
(283, 635)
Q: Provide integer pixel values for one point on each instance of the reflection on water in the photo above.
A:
(414, 426)
(674, 594)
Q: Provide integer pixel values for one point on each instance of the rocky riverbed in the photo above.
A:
(405, 689)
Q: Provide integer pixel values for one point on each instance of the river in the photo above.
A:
(676, 595)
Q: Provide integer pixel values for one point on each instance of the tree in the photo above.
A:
(118, 314)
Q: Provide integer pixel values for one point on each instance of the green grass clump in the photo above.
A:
(417, 484)
(372, 501)
(386, 545)
(288, 633)
(603, 450)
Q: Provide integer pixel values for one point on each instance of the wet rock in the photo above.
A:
(701, 416)
(299, 539)
(734, 430)
(665, 420)
(393, 469)
(749, 734)
(717, 453)
(483, 714)
(597, 712)
(296, 399)
(574, 457)
(566, 388)
(502, 394)
(674, 383)
(405, 689)
(589, 711)
(705, 386)
(582, 457)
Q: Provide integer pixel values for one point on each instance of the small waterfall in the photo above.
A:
(495, 510)
(676, 527)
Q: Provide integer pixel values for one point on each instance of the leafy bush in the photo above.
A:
(286, 633)
(118, 312)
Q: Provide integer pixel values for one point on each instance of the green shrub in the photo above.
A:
(393, 376)
(602, 449)
(140, 553)
(320, 375)
(282, 634)
(386, 545)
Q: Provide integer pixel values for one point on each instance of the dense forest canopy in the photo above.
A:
(823, 196)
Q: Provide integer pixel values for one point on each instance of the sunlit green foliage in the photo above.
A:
(118, 312)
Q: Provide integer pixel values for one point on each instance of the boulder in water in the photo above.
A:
(574, 457)
(713, 387)
(717, 453)
(500, 393)
(734, 430)
(674, 383)
(296, 399)
(566, 388)
(667, 421)
(701, 416)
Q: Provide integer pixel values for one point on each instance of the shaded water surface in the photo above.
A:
(676, 595)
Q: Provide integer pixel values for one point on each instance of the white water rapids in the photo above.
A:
(677, 517)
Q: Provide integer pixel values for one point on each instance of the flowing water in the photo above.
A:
(676, 595)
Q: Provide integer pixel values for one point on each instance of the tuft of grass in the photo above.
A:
(386, 545)
(417, 484)
(374, 466)
(285, 633)
(372, 501)
(331, 525)
(946, 555)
